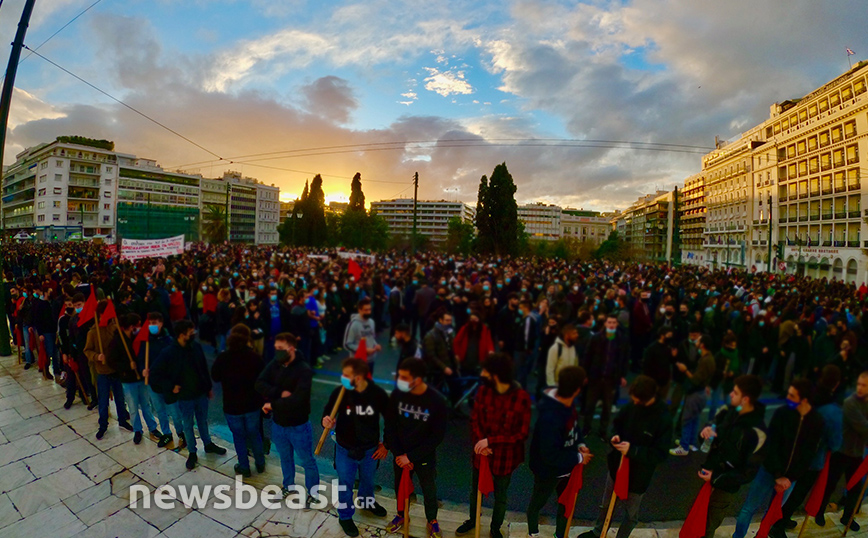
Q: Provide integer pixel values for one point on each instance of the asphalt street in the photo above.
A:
(670, 496)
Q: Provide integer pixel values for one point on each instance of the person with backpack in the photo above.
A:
(561, 354)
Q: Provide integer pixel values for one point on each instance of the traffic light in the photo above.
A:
(779, 250)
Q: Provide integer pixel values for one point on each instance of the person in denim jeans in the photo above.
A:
(237, 369)
(286, 383)
(358, 446)
(152, 343)
(183, 367)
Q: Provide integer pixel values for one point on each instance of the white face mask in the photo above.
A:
(403, 386)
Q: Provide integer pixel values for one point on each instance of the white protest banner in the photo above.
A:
(357, 256)
(137, 249)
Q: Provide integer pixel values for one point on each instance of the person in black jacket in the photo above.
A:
(658, 360)
(129, 371)
(185, 370)
(285, 384)
(606, 362)
(237, 369)
(507, 325)
(739, 436)
(415, 427)
(150, 354)
(643, 431)
(557, 446)
(795, 432)
(45, 325)
(358, 447)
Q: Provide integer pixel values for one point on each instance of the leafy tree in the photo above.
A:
(614, 249)
(214, 227)
(460, 237)
(378, 232)
(357, 197)
(497, 213)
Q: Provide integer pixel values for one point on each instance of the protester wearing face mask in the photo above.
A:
(415, 427)
(357, 435)
(438, 352)
(98, 344)
(362, 326)
(472, 344)
(696, 392)
(275, 320)
(739, 435)
(499, 425)
(794, 437)
(237, 370)
(658, 360)
(152, 342)
(73, 340)
(285, 384)
(606, 364)
(408, 347)
(561, 354)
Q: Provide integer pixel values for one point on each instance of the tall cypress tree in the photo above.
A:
(502, 211)
(483, 219)
(357, 197)
(314, 213)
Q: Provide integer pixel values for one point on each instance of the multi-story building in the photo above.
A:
(242, 207)
(549, 222)
(541, 221)
(286, 210)
(60, 189)
(154, 203)
(648, 225)
(793, 183)
(585, 226)
(432, 217)
(267, 214)
(692, 213)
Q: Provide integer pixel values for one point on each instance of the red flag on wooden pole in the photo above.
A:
(405, 488)
(573, 486)
(108, 314)
(142, 337)
(697, 519)
(812, 507)
(773, 515)
(89, 309)
(354, 270)
(486, 481)
(622, 480)
(858, 475)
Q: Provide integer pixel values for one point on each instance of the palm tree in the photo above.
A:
(215, 228)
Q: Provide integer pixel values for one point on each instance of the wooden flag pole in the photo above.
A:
(611, 504)
(81, 387)
(147, 358)
(407, 517)
(332, 415)
(130, 355)
(572, 512)
(98, 336)
(853, 515)
(804, 525)
(478, 512)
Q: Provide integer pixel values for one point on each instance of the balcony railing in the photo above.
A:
(827, 243)
(840, 243)
(854, 214)
(840, 214)
(803, 218)
(782, 219)
(840, 188)
(854, 186)
(827, 190)
(827, 216)
(815, 192)
(815, 216)
(853, 244)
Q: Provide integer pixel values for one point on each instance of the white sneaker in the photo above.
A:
(678, 451)
(693, 448)
(534, 535)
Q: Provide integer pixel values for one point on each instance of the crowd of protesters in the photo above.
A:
(495, 335)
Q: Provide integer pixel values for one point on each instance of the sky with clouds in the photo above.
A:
(448, 89)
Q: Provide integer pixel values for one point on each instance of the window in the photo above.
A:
(852, 154)
(58, 177)
(107, 194)
(824, 139)
(44, 165)
(58, 164)
(43, 178)
(785, 124)
(40, 205)
(847, 93)
(107, 207)
(834, 99)
(824, 105)
(812, 111)
(56, 203)
(108, 181)
(814, 165)
(850, 129)
(58, 190)
(40, 218)
(41, 192)
(791, 151)
(106, 219)
(801, 147)
(55, 217)
(837, 134)
(108, 169)
(812, 143)
(803, 115)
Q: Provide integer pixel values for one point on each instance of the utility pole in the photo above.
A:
(226, 211)
(415, 203)
(5, 103)
(770, 233)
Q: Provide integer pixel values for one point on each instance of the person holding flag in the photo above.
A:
(72, 341)
(848, 461)
(148, 346)
(415, 427)
(357, 434)
(98, 338)
(120, 357)
(643, 431)
(794, 437)
(738, 437)
(833, 426)
(363, 327)
(500, 424)
(557, 447)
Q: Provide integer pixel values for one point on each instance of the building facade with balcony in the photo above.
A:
(59, 189)
(692, 213)
(548, 222)
(432, 217)
(648, 225)
(541, 221)
(267, 214)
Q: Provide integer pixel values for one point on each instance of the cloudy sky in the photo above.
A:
(448, 88)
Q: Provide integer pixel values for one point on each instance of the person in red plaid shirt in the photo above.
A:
(500, 425)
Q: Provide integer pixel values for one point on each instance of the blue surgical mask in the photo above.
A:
(315, 292)
(415, 282)
(499, 286)
(347, 382)
(261, 286)
(791, 404)
(738, 409)
(78, 310)
(273, 298)
(611, 331)
(235, 275)
(153, 329)
(24, 294)
(485, 288)
(402, 385)
(468, 311)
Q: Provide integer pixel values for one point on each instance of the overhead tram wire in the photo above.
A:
(113, 98)
(617, 144)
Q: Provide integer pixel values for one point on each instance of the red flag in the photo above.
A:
(773, 515)
(858, 475)
(19, 336)
(32, 341)
(42, 359)
(144, 334)
(812, 507)
(362, 350)
(73, 365)
(89, 309)
(697, 519)
(405, 488)
(486, 481)
(108, 314)
(622, 479)
(573, 486)
(209, 303)
(354, 270)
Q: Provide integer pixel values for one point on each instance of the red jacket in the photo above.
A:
(486, 345)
